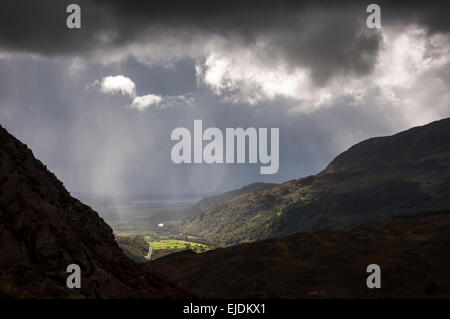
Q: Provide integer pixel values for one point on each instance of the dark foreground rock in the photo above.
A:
(413, 253)
(43, 230)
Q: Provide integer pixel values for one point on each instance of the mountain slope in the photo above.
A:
(133, 247)
(217, 199)
(173, 218)
(43, 230)
(401, 174)
(411, 251)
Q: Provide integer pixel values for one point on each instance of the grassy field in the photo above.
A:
(175, 244)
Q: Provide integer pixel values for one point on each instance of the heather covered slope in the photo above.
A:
(405, 173)
(43, 230)
(412, 251)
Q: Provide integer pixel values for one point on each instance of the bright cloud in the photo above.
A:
(124, 85)
(243, 79)
(116, 84)
(142, 102)
(409, 61)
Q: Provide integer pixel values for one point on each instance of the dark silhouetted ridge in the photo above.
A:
(43, 230)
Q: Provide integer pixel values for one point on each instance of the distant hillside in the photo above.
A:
(401, 174)
(217, 199)
(43, 230)
(411, 251)
(178, 216)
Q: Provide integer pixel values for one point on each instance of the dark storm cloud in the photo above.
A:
(326, 37)
(94, 143)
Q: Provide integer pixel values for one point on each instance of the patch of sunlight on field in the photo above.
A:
(175, 244)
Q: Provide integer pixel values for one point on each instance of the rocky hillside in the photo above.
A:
(43, 230)
(413, 253)
(401, 174)
(133, 247)
(217, 199)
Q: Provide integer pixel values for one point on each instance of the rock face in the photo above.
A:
(406, 173)
(43, 230)
(412, 251)
(134, 247)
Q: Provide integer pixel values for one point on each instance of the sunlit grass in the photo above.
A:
(175, 244)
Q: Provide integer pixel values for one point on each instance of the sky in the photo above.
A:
(98, 104)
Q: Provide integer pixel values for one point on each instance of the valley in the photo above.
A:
(153, 218)
(403, 174)
(384, 201)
